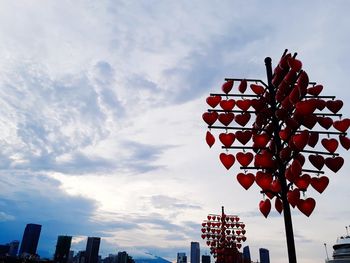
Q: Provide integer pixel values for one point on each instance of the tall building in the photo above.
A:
(13, 248)
(30, 240)
(181, 258)
(205, 259)
(92, 248)
(62, 249)
(246, 254)
(195, 252)
(264, 255)
(122, 257)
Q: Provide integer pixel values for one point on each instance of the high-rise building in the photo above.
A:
(13, 248)
(205, 259)
(30, 240)
(181, 258)
(264, 255)
(122, 257)
(195, 252)
(62, 249)
(246, 254)
(92, 248)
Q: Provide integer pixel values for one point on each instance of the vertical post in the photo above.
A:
(281, 169)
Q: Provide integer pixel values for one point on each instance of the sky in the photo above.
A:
(101, 128)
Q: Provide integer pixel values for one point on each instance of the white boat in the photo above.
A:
(341, 250)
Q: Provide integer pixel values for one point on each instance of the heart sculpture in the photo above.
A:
(319, 183)
(227, 160)
(227, 139)
(300, 140)
(342, 125)
(210, 117)
(242, 86)
(303, 182)
(226, 118)
(227, 105)
(325, 122)
(213, 101)
(315, 90)
(210, 139)
(344, 141)
(313, 139)
(334, 105)
(293, 197)
(246, 180)
(243, 136)
(306, 206)
(278, 205)
(330, 145)
(244, 158)
(265, 207)
(317, 161)
(334, 163)
(242, 119)
(257, 89)
(244, 105)
(263, 180)
(227, 86)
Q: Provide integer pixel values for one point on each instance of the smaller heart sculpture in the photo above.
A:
(306, 206)
(335, 163)
(303, 182)
(315, 90)
(319, 183)
(227, 139)
(244, 105)
(210, 117)
(317, 161)
(334, 105)
(213, 101)
(330, 145)
(227, 86)
(210, 139)
(325, 122)
(293, 197)
(279, 205)
(242, 86)
(227, 160)
(243, 136)
(342, 125)
(257, 89)
(265, 207)
(244, 158)
(344, 141)
(313, 139)
(246, 180)
(227, 105)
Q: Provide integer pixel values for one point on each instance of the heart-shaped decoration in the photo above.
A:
(330, 145)
(315, 90)
(295, 122)
(210, 139)
(300, 140)
(263, 180)
(342, 125)
(265, 160)
(227, 86)
(243, 104)
(325, 122)
(305, 107)
(244, 158)
(293, 197)
(246, 180)
(284, 134)
(242, 86)
(321, 104)
(226, 118)
(313, 139)
(309, 121)
(285, 153)
(319, 183)
(317, 161)
(306, 206)
(227, 160)
(242, 119)
(294, 95)
(213, 101)
(303, 182)
(243, 136)
(265, 207)
(283, 64)
(227, 105)
(239, 246)
(261, 140)
(275, 186)
(203, 236)
(227, 139)
(344, 141)
(295, 64)
(300, 158)
(290, 77)
(334, 163)
(289, 175)
(303, 82)
(210, 117)
(296, 168)
(334, 105)
(257, 89)
(257, 104)
(279, 205)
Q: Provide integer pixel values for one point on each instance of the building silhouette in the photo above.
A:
(92, 248)
(246, 254)
(30, 240)
(195, 252)
(62, 249)
(14, 245)
(205, 259)
(264, 255)
(181, 258)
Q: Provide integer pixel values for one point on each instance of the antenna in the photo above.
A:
(325, 247)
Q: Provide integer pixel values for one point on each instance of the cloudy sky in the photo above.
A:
(101, 127)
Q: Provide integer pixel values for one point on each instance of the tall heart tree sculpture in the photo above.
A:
(224, 234)
(284, 121)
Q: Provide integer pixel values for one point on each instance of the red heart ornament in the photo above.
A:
(275, 186)
(264, 160)
(279, 205)
(263, 180)
(242, 86)
(284, 134)
(313, 139)
(227, 86)
(315, 90)
(303, 82)
(242, 119)
(246, 180)
(334, 163)
(295, 64)
(306, 206)
(303, 182)
(319, 183)
(283, 64)
(210, 117)
(342, 125)
(344, 141)
(244, 158)
(296, 168)
(226, 118)
(330, 145)
(321, 104)
(317, 161)
(305, 107)
(300, 140)
(290, 77)
(243, 136)
(243, 104)
(285, 153)
(286, 104)
(289, 175)
(227, 160)
(227, 104)
(210, 139)
(325, 122)
(261, 140)
(334, 105)
(265, 207)
(257, 104)
(309, 121)
(227, 139)
(293, 197)
(213, 101)
(300, 158)
(257, 89)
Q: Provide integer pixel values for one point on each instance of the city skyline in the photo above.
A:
(101, 119)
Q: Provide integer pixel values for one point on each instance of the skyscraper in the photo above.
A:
(62, 249)
(181, 258)
(246, 254)
(195, 252)
(205, 259)
(264, 255)
(13, 248)
(92, 248)
(30, 239)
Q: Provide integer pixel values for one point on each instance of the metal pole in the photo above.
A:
(281, 169)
